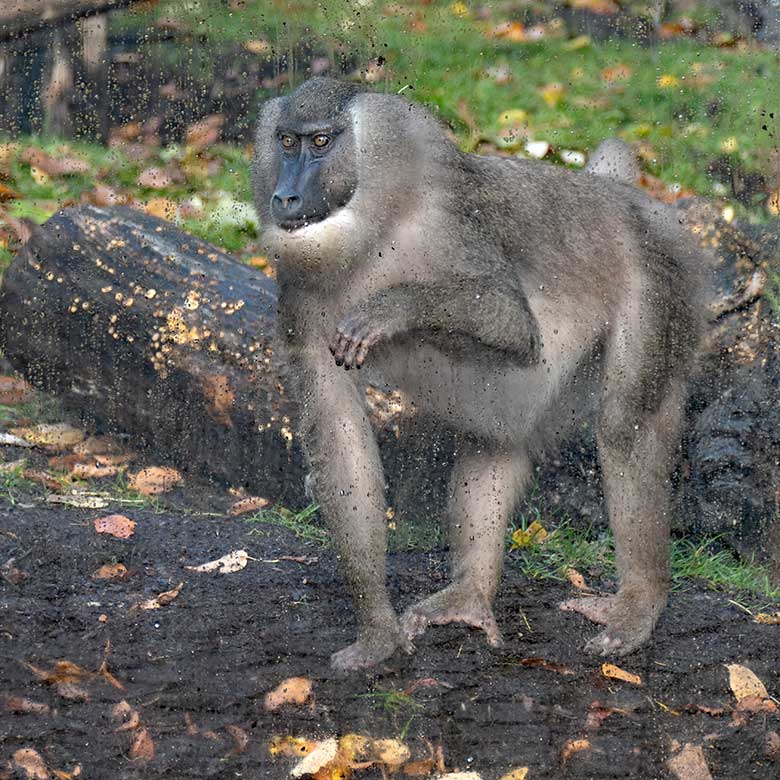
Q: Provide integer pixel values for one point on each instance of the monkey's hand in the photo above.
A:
(361, 329)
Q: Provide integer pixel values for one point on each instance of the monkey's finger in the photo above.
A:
(368, 341)
(351, 353)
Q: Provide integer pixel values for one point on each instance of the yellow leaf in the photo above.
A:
(391, 752)
(513, 116)
(355, 748)
(322, 754)
(580, 42)
(767, 619)
(153, 480)
(460, 10)
(525, 537)
(39, 177)
(773, 203)
(521, 773)
(730, 145)
(743, 682)
(667, 81)
(58, 436)
(616, 673)
(553, 94)
(574, 746)
(293, 690)
(576, 579)
(293, 747)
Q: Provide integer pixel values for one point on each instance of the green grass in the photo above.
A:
(13, 485)
(592, 554)
(300, 523)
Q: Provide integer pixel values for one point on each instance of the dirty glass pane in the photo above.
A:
(390, 389)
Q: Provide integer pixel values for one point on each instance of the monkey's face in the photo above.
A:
(315, 172)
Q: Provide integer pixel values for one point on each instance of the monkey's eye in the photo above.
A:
(320, 140)
(287, 141)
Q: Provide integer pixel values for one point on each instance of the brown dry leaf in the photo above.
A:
(220, 397)
(71, 691)
(129, 716)
(30, 762)
(110, 571)
(116, 525)
(160, 601)
(227, 564)
(53, 166)
(619, 72)
(44, 479)
(460, 776)
(103, 195)
(323, 753)
(756, 704)
(391, 752)
(13, 390)
(521, 773)
(603, 7)
(248, 504)
(93, 471)
(103, 670)
(154, 479)
(616, 673)
(62, 671)
(205, 132)
(11, 573)
(772, 746)
(8, 193)
(20, 704)
(743, 682)
(689, 764)
(598, 713)
(573, 746)
(768, 619)
(542, 663)
(53, 436)
(240, 737)
(142, 749)
(72, 775)
(100, 445)
(509, 31)
(293, 690)
(154, 178)
(576, 579)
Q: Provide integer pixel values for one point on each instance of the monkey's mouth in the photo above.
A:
(291, 225)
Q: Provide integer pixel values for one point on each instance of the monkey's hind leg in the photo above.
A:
(483, 490)
(636, 454)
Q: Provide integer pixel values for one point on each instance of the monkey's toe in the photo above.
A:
(615, 642)
(370, 649)
(454, 604)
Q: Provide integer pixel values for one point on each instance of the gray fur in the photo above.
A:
(511, 301)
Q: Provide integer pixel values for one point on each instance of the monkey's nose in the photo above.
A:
(286, 205)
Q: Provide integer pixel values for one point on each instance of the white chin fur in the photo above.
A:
(325, 235)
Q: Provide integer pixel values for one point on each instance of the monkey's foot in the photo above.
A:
(373, 646)
(458, 603)
(629, 620)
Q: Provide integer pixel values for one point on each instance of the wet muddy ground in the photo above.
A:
(199, 667)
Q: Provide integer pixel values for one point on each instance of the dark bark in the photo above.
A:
(18, 17)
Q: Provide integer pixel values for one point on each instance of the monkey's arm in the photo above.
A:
(499, 319)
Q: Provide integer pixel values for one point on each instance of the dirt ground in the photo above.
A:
(199, 667)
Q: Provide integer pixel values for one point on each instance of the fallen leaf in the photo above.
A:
(553, 94)
(772, 746)
(161, 600)
(248, 504)
(11, 574)
(129, 716)
(100, 445)
(142, 749)
(204, 132)
(93, 471)
(550, 666)
(293, 747)
(526, 537)
(55, 436)
(12, 465)
(162, 208)
(576, 579)
(667, 81)
(61, 672)
(110, 571)
(322, 754)
(154, 178)
(616, 673)
(30, 762)
(53, 166)
(71, 691)
(689, 764)
(10, 440)
(240, 737)
(78, 500)
(13, 390)
(44, 479)
(227, 564)
(460, 776)
(743, 682)
(521, 773)
(756, 703)
(391, 752)
(768, 619)
(293, 690)
(20, 704)
(154, 479)
(116, 525)
(619, 72)
(573, 746)
(103, 670)
(598, 713)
